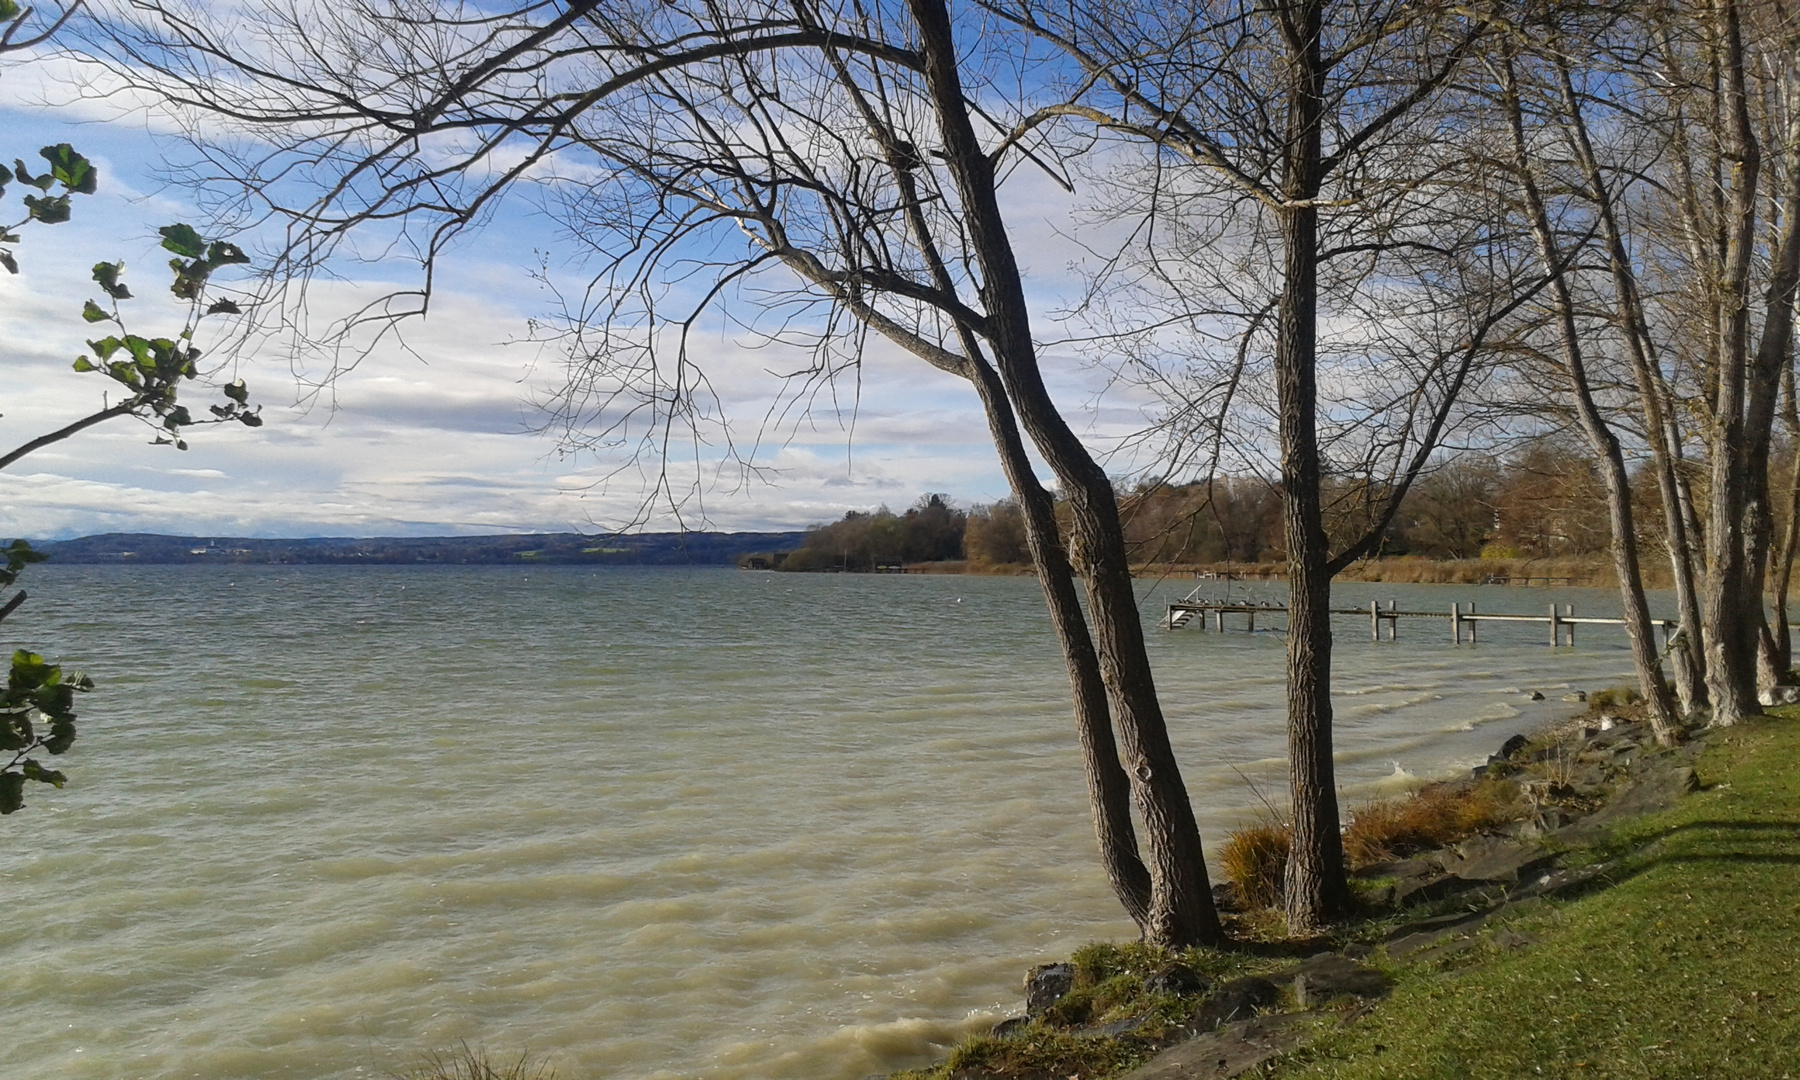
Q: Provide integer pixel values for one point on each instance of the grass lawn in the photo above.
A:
(1688, 965)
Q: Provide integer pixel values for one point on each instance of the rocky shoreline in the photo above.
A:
(1578, 777)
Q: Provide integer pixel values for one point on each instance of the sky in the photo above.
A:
(444, 434)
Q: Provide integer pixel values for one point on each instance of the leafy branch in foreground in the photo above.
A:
(37, 708)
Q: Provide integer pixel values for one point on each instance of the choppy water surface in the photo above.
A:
(646, 823)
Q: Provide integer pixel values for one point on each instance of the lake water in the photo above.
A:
(643, 823)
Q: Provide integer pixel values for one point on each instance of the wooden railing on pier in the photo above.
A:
(1561, 619)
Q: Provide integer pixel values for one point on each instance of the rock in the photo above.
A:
(1425, 890)
(1226, 898)
(1495, 860)
(1579, 695)
(1008, 1026)
(1233, 1050)
(1176, 979)
(1417, 936)
(1046, 985)
(1329, 976)
(1780, 695)
(1607, 723)
(1234, 1000)
(1535, 695)
(1511, 747)
(1546, 820)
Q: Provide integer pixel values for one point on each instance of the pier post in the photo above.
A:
(1473, 624)
(1393, 620)
(1555, 628)
(1456, 624)
(1374, 620)
(1571, 614)
(1250, 620)
(1219, 620)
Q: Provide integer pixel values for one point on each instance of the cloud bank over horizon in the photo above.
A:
(449, 433)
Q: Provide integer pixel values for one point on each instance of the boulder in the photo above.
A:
(1008, 1026)
(1579, 695)
(1046, 985)
(1176, 979)
(1511, 747)
(1535, 695)
(1234, 1000)
(1496, 860)
(1329, 976)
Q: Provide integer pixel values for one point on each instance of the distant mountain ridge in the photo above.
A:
(632, 549)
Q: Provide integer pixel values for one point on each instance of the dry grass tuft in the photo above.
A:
(1436, 815)
(1254, 859)
(473, 1063)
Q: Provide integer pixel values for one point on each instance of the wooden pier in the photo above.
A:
(1561, 618)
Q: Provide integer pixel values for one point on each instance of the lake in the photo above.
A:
(641, 822)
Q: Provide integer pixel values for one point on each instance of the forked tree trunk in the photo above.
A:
(1109, 788)
(1732, 598)
(1181, 905)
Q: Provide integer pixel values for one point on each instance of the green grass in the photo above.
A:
(1687, 965)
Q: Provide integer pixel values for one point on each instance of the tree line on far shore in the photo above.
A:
(1543, 498)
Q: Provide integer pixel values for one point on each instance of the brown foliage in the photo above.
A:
(1254, 860)
(1432, 817)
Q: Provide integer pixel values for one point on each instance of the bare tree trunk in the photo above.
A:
(1790, 534)
(1653, 395)
(1109, 788)
(1317, 891)
(1733, 600)
(1181, 906)
(1605, 444)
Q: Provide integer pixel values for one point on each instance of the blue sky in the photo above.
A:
(441, 435)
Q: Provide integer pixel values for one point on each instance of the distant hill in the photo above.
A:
(634, 549)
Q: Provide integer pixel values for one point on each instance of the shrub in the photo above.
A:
(1434, 816)
(1255, 860)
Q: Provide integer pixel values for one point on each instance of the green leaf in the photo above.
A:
(183, 241)
(237, 391)
(106, 275)
(224, 307)
(7, 260)
(105, 347)
(224, 253)
(12, 791)
(49, 210)
(75, 172)
(8, 10)
(83, 364)
(250, 419)
(34, 771)
(93, 312)
(42, 183)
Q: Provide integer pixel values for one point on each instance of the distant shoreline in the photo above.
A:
(516, 549)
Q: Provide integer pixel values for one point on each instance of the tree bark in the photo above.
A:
(1317, 891)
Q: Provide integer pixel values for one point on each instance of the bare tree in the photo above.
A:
(1317, 179)
(837, 167)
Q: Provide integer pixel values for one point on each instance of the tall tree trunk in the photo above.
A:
(1317, 891)
(1733, 600)
(1600, 438)
(1653, 394)
(1790, 533)
(1181, 905)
